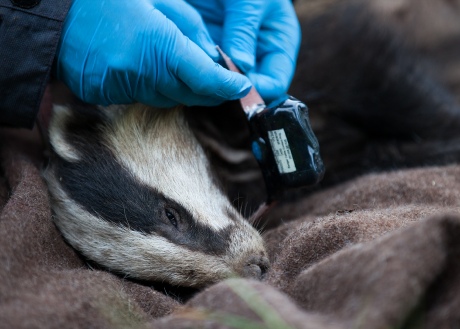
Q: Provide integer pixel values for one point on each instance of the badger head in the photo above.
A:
(131, 189)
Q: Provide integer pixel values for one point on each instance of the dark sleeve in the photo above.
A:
(29, 34)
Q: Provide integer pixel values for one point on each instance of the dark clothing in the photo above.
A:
(28, 41)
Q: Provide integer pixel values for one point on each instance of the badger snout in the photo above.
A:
(255, 267)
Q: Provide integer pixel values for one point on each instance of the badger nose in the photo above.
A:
(255, 267)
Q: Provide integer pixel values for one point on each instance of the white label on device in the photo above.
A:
(282, 151)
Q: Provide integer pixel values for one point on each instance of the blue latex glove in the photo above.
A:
(157, 52)
(262, 37)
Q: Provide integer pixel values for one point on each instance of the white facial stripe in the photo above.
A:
(61, 115)
(164, 154)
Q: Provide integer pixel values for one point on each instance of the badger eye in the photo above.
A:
(170, 214)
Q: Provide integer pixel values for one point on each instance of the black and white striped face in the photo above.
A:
(131, 189)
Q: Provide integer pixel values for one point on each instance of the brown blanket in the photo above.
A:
(377, 251)
(381, 251)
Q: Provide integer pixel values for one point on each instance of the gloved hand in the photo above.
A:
(262, 37)
(156, 52)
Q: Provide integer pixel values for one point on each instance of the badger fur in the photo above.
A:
(131, 189)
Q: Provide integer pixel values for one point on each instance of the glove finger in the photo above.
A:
(277, 49)
(241, 28)
(204, 77)
(190, 23)
(273, 76)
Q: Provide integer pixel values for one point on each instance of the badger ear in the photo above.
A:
(59, 135)
(76, 129)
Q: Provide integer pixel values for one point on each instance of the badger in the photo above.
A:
(132, 190)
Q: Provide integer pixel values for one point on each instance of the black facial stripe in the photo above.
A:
(107, 190)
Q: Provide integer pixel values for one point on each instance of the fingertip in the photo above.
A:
(242, 92)
(273, 76)
(233, 85)
(243, 60)
(269, 88)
